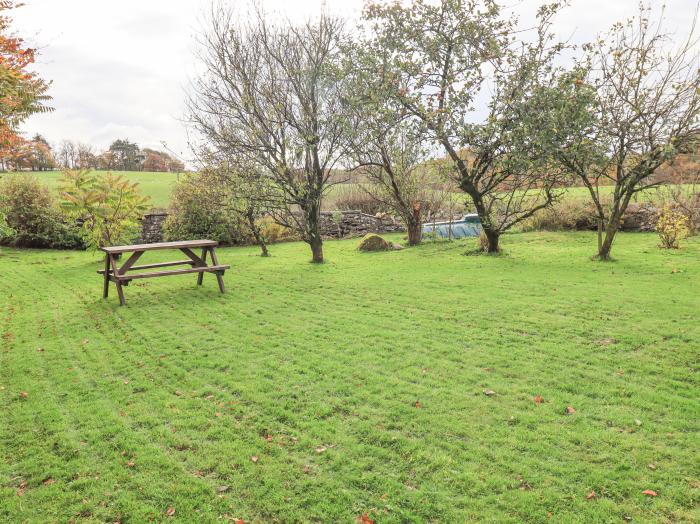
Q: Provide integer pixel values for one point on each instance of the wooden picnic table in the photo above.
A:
(121, 276)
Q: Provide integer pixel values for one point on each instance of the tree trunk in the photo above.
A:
(316, 250)
(491, 233)
(492, 239)
(314, 233)
(256, 234)
(613, 225)
(610, 231)
(414, 234)
(414, 226)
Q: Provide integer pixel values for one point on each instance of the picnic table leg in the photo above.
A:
(200, 277)
(120, 292)
(117, 283)
(105, 293)
(219, 276)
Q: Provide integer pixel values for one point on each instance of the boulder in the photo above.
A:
(373, 242)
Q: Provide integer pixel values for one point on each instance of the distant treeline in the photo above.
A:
(122, 155)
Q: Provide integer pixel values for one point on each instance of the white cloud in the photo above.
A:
(119, 69)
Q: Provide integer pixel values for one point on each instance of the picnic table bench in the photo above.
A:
(121, 276)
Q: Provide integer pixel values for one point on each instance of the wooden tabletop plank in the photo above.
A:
(160, 245)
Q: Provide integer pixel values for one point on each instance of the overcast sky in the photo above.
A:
(120, 69)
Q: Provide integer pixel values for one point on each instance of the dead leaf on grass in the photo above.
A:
(170, 511)
(364, 519)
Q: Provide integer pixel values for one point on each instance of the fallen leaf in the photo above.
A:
(170, 511)
(489, 392)
(320, 449)
(48, 481)
(307, 469)
(652, 466)
(130, 464)
(268, 438)
(222, 489)
(126, 382)
(85, 341)
(254, 458)
(591, 495)
(40, 349)
(649, 492)
(570, 410)
(419, 404)
(24, 394)
(217, 414)
(638, 422)
(364, 519)
(538, 399)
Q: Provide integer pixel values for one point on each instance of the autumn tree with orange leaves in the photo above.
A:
(22, 92)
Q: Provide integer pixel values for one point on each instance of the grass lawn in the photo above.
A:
(157, 186)
(358, 386)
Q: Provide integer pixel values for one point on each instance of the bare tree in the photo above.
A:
(642, 99)
(246, 193)
(271, 95)
(393, 160)
(85, 156)
(68, 154)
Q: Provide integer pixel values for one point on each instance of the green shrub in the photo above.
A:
(672, 227)
(569, 214)
(32, 218)
(5, 229)
(273, 232)
(351, 197)
(199, 210)
(108, 206)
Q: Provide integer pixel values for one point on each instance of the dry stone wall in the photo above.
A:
(338, 224)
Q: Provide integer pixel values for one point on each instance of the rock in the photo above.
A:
(373, 242)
